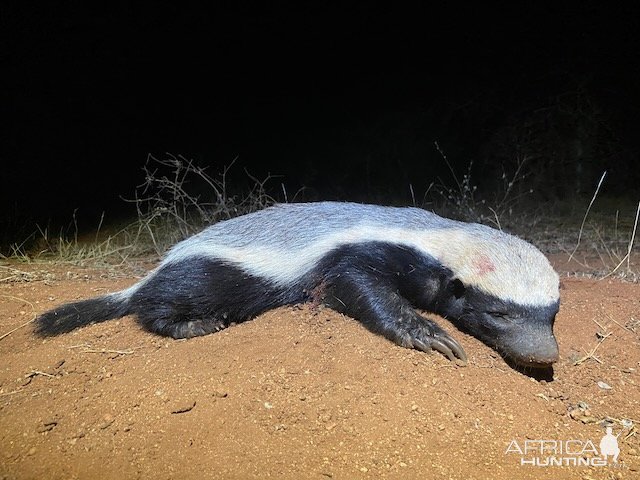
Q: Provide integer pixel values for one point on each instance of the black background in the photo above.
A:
(345, 99)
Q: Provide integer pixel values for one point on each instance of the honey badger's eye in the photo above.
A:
(499, 315)
(457, 288)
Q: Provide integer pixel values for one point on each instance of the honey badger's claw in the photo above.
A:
(441, 347)
(445, 345)
(455, 347)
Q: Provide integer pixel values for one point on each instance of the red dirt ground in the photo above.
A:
(305, 393)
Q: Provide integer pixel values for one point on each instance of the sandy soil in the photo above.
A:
(306, 393)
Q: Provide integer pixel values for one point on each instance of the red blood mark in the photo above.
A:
(483, 265)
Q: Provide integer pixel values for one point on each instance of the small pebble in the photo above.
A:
(107, 420)
(183, 407)
(48, 425)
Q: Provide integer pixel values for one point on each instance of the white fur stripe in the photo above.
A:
(497, 263)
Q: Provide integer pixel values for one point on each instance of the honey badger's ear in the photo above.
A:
(456, 287)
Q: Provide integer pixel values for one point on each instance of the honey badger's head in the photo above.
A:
(504, 292)
(521, 333)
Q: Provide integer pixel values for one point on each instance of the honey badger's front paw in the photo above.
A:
(429, 336)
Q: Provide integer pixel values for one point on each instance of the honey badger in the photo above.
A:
(375, 264)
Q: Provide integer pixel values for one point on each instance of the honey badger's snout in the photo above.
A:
(532, 341)
(532, 349)
(524, 336)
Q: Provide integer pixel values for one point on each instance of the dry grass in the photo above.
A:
(176, 199)
(602, 244)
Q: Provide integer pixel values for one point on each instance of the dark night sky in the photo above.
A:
(300, 89)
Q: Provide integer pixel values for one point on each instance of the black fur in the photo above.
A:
(197, 297)
(375, 283)
(73, 315)
(380, 284)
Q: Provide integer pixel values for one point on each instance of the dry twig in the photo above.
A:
(88, 349)
(4, 335)
(585, 216)
(591, 354)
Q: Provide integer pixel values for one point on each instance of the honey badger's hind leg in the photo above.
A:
(175, 326)
(378, 305)
(197, 296)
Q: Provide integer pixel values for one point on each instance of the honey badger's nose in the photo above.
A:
(547, 354)
(536, 352)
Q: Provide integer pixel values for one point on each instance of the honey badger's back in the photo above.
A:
(289, 227)
(284, 242)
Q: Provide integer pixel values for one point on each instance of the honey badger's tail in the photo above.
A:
(70, 316)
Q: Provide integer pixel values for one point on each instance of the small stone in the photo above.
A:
(107, 420)
(364, 469)
(589, 419)
(32, 451)
(48, 425)
(183, 407)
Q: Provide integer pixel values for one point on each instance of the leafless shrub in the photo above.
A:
(463, 199)
(179, 198)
